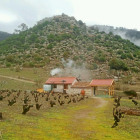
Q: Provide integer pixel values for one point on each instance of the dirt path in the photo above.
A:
(101, 102)
(21, 80)
(98, 103)
(85, 120)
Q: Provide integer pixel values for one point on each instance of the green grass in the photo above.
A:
(84, 120)
(6, 83)
(27, 73)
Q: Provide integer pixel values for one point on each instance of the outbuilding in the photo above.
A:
(94, 84)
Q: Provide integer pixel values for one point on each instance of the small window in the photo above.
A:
(55, 86)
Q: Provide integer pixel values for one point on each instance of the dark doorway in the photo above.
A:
(94, 90)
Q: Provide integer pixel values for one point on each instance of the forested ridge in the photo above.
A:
(4, 35)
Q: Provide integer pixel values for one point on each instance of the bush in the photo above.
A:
(38, 58)
(31, 64)
(130, 93)
(8, 64)
(10, 58)
(117, 64)
(102, 59)
(129, 56)
(135, 69)
(90, 48)
(123, 56)
(75, 58)
(90, 67)
(119, 52)
(65, 54)
(25, 65)
(96, 58)
(95, 65)
(50, 46)
(17, 69)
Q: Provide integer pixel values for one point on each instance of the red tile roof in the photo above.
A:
(101, 82)
(58, 80)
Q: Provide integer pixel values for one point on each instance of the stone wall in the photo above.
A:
(70, 90)
(58, 89)
(88, 91)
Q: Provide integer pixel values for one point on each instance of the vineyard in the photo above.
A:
(33, 115)
(28, 99)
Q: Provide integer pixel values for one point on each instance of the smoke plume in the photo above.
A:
(72, 70)
(55, 71)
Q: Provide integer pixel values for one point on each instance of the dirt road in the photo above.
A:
(21, 80)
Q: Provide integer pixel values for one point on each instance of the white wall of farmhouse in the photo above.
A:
(88, 91)
(58, 89)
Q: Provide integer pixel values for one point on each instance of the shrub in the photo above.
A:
(129, 56)
(119, 52)
(90, 48)
(31, 64)
(130, 93)
(135, 69)
(95, 65)
(102, 59)
(123, 56)
(65, 54)
(96, 58)
(90, 67)
(8, 64)
(80, 22)
(25, 65)
(50, 46)
(117, 64)
(17, 69)
(75, 58)
(38, 58)
(10, 58)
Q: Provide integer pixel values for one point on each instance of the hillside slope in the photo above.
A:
(64, 37)
(131, 34)
(4, 35)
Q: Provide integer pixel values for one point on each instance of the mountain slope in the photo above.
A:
(131, 34)
(4, 35)
(64, 37)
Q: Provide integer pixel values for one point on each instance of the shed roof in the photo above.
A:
(81, 85)
(101, 82)
(58, 80)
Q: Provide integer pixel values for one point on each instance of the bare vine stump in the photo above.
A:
(0, 116)
(38, 106)
(26, 108)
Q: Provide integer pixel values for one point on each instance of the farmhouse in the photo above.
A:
(72, 85)
(61, 84)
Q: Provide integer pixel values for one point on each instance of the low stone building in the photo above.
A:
(62, 84)
(71, 85)
(78, 86)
